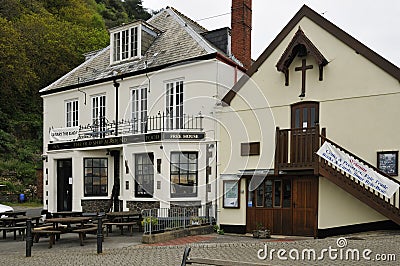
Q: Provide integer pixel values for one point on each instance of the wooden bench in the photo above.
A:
(48, 231)
(92, 229)
(121, 226)
(20, 229)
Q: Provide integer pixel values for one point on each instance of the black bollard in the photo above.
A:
(99, 234)
(28, 237)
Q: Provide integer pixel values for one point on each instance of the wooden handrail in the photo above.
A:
(358, 158)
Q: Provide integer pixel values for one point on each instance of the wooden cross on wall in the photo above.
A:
(303, 68)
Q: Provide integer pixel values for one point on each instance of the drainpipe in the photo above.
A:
(116, 85)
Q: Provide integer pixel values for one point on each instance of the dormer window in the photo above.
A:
(131, 41)
(125, 44)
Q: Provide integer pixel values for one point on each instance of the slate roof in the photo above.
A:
(180, 40)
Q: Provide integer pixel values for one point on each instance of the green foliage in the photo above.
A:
(40, 41)
(149, 220)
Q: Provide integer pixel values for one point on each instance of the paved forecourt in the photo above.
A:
(127, 250)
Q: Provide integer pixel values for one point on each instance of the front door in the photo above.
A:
(64, 185)
(304, 206)
(285, 205)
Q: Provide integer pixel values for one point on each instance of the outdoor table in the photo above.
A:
(68, 221)
(123, 218)
(66, 214)
(64, 225)
(16, 224)
(12, 213)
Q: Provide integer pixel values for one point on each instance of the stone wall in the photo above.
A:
(142, 205)
(95, 205)
(169, 235)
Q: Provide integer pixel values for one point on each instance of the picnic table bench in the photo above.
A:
(46, 231)
(14, 229)
(121, 226)
(15, 224)
(122, 219)
(87, 229)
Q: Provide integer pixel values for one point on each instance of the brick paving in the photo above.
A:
(128, 250)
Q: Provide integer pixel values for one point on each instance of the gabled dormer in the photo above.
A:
(131, 41)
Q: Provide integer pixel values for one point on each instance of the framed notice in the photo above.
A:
(231, 194)
(388, 162)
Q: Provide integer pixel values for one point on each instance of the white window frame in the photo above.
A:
(144, 173)
(99, 111)
(184, 174)
(174, 98)
(72, 113)
(139, 111)
(125, 43)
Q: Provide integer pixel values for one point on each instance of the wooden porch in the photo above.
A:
(296, 151)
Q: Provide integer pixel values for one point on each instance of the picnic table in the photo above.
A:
(62, 225)
(123, 218)
(17, 223)
(61, 222)
(12, 213)
(66, 214)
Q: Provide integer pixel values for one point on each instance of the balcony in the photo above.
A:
(103, 128)
(296, 149)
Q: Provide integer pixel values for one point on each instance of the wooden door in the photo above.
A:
(304, 118)
(305, 204)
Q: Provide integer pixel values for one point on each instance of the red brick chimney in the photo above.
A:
(241, 31)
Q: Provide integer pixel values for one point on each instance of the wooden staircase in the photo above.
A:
(296, 150)
(389, 207)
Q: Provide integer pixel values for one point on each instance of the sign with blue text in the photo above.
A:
(358, 170)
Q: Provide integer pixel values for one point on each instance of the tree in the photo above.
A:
(40, 41)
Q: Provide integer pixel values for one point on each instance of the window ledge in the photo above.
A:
(96, 198)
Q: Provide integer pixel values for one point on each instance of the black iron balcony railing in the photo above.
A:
(102, 127)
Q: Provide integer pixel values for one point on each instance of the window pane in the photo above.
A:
(297, 118)
(313, 120)
(268, 194)
(287, 193)
(259, 196)
(96, 163)
(88, 162)
(305, 117)
(277, 193)
(175, 157)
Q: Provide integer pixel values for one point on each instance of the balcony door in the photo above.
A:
(304, 118)
(174, 104)
(99, 122)
(139, 110)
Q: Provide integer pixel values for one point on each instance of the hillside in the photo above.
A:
(41, 40)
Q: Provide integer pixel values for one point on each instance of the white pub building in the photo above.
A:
(133, 127)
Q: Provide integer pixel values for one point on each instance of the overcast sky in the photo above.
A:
(375, 23)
